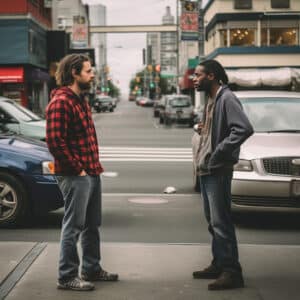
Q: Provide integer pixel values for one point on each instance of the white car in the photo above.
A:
(267, 176)
(21, 120)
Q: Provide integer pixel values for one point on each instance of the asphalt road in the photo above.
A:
(141, 158)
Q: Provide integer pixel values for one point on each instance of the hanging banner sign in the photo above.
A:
(189, 21)
(79, 32)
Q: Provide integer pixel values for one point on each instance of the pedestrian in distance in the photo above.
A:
(224, 129)
(72, 140)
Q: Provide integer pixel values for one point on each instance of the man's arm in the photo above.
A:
(58, 119)
(239, 126)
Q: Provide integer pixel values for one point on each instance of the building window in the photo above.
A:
(223, 38)
(242, 37)
(242, 4)
(283, 36)
(264, 37)
(34, 2)
(280, 3)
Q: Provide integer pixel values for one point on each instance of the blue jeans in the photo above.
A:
(82, 203)
(216, 195)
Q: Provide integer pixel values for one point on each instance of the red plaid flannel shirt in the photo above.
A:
(71, 135)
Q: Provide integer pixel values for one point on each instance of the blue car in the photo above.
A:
(26, 184)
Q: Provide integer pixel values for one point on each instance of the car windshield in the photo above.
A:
(19, 112)
(273, 114)
(180, 102)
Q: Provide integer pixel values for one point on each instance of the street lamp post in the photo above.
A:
(177, 47)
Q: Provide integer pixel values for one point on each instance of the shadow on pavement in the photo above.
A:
(270, 220)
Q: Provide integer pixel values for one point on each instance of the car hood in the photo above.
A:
(25, 147)
(36, 129)
(262, 145)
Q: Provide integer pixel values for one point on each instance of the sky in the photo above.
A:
(124, 51)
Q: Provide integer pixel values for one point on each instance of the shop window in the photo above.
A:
(242, 4)
(280, 3)
(283, 36)
(223, 38)
(242, 37)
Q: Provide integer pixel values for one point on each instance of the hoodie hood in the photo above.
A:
(63, 91)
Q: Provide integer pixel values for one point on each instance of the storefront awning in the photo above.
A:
(187, 82)
(11, 75)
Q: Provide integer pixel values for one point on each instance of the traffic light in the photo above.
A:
(157, 68)
(150, 68)
(152, 85)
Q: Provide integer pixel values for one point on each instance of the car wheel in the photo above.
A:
(14, 204)
(191, 123)
(196, 182)
(161, 120)
(111, 110)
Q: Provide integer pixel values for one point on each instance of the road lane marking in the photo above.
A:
(145, 154)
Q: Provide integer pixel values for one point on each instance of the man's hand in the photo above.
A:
(200, 127)
(82, 173)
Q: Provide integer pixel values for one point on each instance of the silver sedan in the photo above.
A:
(267, 176)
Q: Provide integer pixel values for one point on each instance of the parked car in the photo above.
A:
(138, 99)
(21, 120)
(131, 97)
(146, 102)
(103, 103)
(177, 109)
(267, 176)
(27, 185)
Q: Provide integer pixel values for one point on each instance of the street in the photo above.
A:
(135, 209)
(145, 231)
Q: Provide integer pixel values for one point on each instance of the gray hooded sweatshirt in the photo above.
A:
(226, 129)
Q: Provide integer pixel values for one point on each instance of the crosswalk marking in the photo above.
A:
(145, 154)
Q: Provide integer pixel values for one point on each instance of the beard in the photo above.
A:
(205, 86)
(84, 86)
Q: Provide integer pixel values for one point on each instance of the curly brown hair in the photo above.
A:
(63, 75)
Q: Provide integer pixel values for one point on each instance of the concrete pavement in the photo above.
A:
(151, 271)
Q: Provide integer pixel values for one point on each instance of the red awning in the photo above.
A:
(11, 75)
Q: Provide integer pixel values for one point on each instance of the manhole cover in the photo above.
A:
(148, 200)
(110, 174)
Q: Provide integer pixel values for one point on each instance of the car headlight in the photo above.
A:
(243, 165)
(48, 168)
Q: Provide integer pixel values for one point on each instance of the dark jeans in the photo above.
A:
(82, 197)
(216, 195)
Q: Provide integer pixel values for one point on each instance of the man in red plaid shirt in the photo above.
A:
(72, 140)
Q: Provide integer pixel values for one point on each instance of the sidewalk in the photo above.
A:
(155, 271)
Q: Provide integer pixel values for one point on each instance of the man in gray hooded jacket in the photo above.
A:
(225, 127)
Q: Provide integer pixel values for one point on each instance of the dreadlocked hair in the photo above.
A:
(211, 66)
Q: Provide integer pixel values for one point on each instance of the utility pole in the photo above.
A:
(200, 96)
(177, 46)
